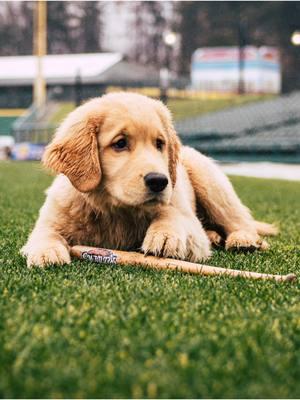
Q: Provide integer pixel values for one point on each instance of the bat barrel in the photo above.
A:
(107, 256)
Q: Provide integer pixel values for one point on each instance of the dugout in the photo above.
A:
(65, 73)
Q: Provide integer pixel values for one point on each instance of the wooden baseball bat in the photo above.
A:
(107, 256)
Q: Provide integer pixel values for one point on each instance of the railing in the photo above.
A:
(34, 133)
(27, 128)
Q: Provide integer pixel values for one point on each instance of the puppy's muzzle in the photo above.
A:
(156, 182)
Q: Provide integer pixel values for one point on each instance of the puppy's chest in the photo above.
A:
(120, 230)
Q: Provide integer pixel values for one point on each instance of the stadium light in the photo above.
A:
(295, 38)
(170, 38)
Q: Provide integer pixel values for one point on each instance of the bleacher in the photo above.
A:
(33, 126)
(266, 128)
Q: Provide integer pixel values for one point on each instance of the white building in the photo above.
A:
(216, 69)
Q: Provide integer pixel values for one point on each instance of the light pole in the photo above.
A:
(241, 57)
(170, 39)
(78, 87)
(294, 55)
(40, 50)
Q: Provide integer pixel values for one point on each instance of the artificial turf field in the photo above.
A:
(90, 331)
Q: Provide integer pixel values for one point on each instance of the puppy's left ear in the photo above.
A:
(173, 140)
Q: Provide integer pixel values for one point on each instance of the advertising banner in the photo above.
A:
(28, 151)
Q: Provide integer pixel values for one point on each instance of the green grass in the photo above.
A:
(181, 108)
(186, 108)
(63, 110)
(86, 330)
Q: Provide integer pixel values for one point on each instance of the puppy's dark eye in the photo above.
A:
(159, 144)
(120, 145)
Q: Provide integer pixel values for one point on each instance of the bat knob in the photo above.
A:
(291, 278)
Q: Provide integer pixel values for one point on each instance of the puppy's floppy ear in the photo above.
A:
(74, 151)
(173, 140)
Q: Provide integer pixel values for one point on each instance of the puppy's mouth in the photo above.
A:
(154, 199)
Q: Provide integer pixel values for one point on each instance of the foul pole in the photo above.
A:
(40, 50)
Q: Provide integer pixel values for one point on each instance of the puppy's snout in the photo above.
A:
(156, 182)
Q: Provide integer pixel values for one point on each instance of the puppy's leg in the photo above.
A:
(223, 207)
(45, 245)
(176, 235)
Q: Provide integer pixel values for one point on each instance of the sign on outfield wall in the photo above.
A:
(216, 69)
(28, 151)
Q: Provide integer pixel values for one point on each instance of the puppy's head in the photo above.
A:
(123, 143)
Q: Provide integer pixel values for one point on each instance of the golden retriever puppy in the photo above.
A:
(127, 183)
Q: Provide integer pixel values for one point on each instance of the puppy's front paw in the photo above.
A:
(245, 241)
(165, 244)
(178, 243)
(198, 247)
(43, 256)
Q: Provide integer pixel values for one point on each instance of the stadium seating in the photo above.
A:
(269, 127)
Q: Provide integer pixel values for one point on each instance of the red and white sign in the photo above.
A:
(217, 69)
(216, 54)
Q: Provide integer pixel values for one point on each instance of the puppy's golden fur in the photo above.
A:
(103, 151)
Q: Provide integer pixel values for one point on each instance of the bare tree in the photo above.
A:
(59, 39)
(86, 26)
(72, 27)
(149, 26)
(16, 28)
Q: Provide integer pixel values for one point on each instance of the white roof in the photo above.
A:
(60, 66)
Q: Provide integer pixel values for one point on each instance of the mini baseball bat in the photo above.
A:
(107, 256)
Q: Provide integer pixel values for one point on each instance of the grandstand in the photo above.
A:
(268, 130)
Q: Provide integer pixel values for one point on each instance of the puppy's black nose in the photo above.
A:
(156, 182)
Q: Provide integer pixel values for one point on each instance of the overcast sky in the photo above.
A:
(118, 24)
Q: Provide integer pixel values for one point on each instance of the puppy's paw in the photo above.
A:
(192, 245)
(198, 247)
(165, 244)
(43, 256)
(245, 241)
